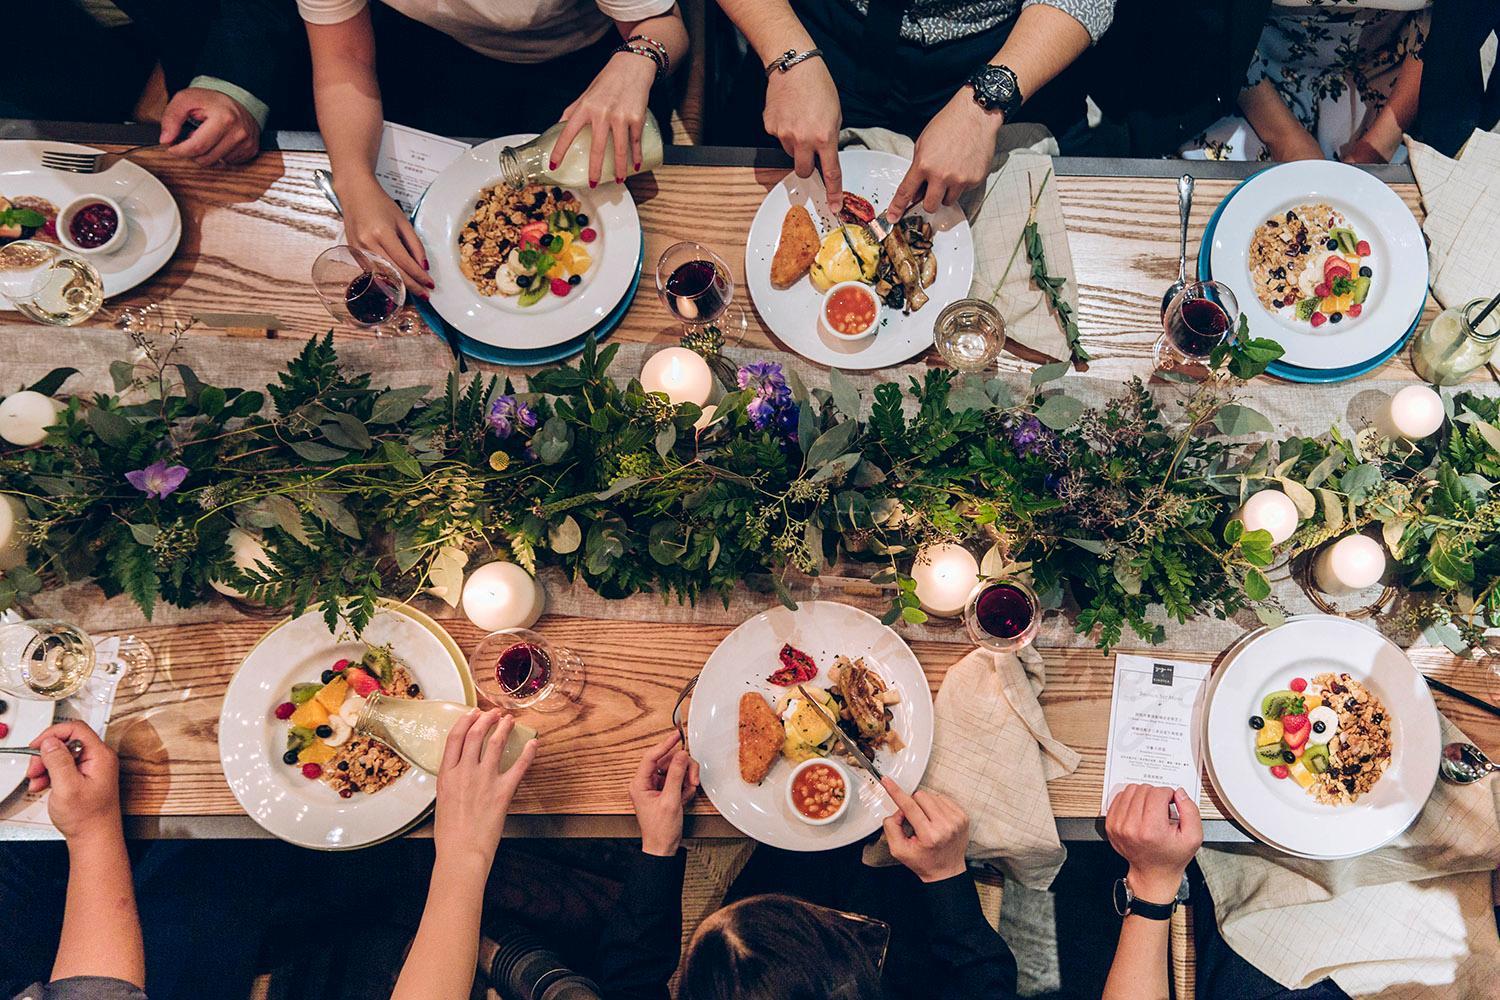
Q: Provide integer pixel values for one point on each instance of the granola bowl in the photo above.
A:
(1349, 722)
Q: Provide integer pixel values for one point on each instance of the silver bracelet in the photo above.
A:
(790, 58)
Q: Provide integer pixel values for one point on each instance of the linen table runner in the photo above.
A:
(1412, 919)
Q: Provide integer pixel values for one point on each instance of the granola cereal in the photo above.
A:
(1361, 750)
(528, 242)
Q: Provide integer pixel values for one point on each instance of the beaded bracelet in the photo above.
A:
(645, 45)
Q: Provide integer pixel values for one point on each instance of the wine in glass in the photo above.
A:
(1201, 317)
(49, 284)
(359, 287)
(694, 284)
(48, 660)
(519, 668)
(1002, 614)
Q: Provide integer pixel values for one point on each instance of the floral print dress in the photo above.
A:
(1333, 62)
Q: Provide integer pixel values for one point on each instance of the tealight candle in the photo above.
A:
(945, 574)
(247, 553)
(680, 373)
(1416, 412)
(25, 417)
(502, 595)
(1351, 564)
(12, 532)
(1273, 511)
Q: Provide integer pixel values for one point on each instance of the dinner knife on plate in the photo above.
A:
(849, 746)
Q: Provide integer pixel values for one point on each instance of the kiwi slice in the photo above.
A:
(1269, 755)
(1361, 289)
(1306, 307)
(1276, 704)
(1315, 757)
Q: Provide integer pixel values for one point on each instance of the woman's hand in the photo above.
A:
(85, 795)
(615, 105)
(953, 154)
(1141, 830)
(803, 112)
(665, 782)
(473, 794)
(373, 222)
(934, 849)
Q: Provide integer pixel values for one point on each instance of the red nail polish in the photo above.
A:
(424, 264)
(619, 180)
(593, 184)
(551, 164)
(638, 164)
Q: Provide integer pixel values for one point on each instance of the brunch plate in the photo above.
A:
(1278, 811)
(1397, 258)
(26, 717)
(792, 313)
(743, 661)
(152, 219)
(500, 321)
(305, 812)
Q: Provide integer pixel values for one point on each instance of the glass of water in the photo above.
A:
(49, 284)
(969, 334)
(46, 659)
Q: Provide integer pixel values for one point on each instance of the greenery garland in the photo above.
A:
(358, 490)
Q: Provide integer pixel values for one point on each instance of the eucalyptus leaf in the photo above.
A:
(122, 374)
(1093, 545)
(393, 405)
(1359, 481)
(845, 395)
(211, 401)
(1060, 412)
(1301, 497)
(666, 439)
(1333, 509)
(400, 459)
(1050, 372)
(807, 428)
(565, 536)
(968, 394)
(313, 451)
(839, 466)
(832, 443)
(618, 486)
(331, 509)
(1270, 616)
(1257, 587)
(113, 429)
(1235, 420)
(445, 574)
(145, 534)
(288, 517)
(796, 386)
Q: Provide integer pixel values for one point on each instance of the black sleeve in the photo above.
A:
(1453, 99)
(251, 43)
(643, 938)
(979, 963)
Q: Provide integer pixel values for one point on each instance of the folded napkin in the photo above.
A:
(1411, 919)
(997, 212)
(993, 753)
(1462, 200)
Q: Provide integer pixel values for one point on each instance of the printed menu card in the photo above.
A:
(1155, 725)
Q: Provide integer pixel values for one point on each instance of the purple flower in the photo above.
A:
(506, 414)
(1028, 436)
(766, 376)
(157, 479)
(761, 411)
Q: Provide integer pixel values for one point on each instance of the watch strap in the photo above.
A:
(1127, 903)
(978, 81)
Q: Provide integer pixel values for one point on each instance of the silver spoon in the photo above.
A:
(73, 745)
(324, 180)
(1184, 209)
(1464, 764)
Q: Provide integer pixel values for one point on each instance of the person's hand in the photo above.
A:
(373, 222)
(1360, 150)
(1141, 830)
(665, 782)
(473, 794)
(226, 133)
(803, 113)
(1296, 144)
(953, 154)
(615, 105)
(934, 849)
(85, 790)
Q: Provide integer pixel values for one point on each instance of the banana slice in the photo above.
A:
(349, 711)
(1330, 720)
(341, 731)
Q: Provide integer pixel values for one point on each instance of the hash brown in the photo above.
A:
(761, 735)
(796, 249)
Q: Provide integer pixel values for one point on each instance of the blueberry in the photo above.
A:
(581, 219)
(324, 732)
(1332, 244)
(1335, 317)
(1350, 704)
(1377, 718)
(413, 691)
(1319, 727)
(1256, 722)
(1288, 756)
(290, 757)
(4, 706)
(343, 765)
(1275, 303)
(327, 676)
(1365, 272)
(574, 279)
(523, 280)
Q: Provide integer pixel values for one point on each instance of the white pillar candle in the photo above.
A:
(944, 575)
(680, 373)
(25, 417)
(12, 532)
(1416, 412)
(1348, 565)
(1273, 511)
(502, 595)
(246, 552)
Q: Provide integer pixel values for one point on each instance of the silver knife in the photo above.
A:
(844, 741)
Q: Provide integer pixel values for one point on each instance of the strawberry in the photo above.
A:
(1317, 319)
(532, 232)
(1362, 248)
(339, 666)
(1335, 266)
(1322, 291)
(1279, 771)
(1298, 684)
(1295, 730)
(1354, 309)
(4, 730)
(361, 682)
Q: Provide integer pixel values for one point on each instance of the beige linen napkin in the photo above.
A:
(1411, 919)
(1462, 201)
(997, 212)
(993, 753)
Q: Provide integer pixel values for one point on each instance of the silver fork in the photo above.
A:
(74, 746)
(88, 163)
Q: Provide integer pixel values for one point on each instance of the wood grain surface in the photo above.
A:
(249, 238)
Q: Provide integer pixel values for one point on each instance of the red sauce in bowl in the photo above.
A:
(850, 310)
(818, 791)
(93, 225)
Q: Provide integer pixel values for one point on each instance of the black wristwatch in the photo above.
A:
(1126, 902)
(996, 89)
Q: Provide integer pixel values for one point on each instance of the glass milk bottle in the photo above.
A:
(1456, 343)
(418, 729)
(528, 164)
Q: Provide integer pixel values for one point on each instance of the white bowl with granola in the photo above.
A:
(286, 739)
(1321, 737)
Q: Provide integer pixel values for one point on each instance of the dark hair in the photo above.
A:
(777, 947)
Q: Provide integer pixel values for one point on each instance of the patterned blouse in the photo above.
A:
(931, 22)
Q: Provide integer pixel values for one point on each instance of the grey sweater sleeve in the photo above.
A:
(1094, 15)
(82, 988)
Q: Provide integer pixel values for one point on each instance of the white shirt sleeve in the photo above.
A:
(618, 10)
(329, 11)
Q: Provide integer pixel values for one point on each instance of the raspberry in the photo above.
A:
(345, 793)
(1362, 248)
(1354, 309)
(588, 236)
(560, 287)
(1298, 684)
(340, 666)
(1279, 771)
(4, 730)
(1317, 319)
(1322, 290)
(312, 772)
(284, 710)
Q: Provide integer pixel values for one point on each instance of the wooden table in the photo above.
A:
(249, 238)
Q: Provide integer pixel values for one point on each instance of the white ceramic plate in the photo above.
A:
(1398, 257)
(792, 313)
(251, 740)
(1280, 812)
(153, 222)
(743, 661)
(495, 319)
(26, 719)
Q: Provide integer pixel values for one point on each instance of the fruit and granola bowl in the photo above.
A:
(1329, 734)
(1309, 264)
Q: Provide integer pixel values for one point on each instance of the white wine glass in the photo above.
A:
(47, 659)
(51, 285)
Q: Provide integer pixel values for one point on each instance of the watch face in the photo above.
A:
(1121, 897)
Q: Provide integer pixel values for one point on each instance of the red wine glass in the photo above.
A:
(518, 668)
(694, 284)
(359, 287)
(1201, 317)
(1002, 614)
